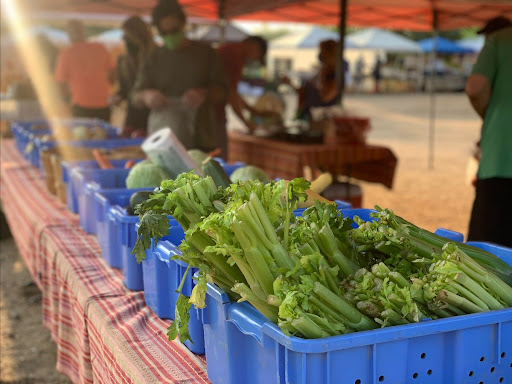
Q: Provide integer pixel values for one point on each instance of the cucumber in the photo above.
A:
(212, 168)
(138, 198)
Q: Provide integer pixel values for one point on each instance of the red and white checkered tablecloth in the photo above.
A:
(104, 332)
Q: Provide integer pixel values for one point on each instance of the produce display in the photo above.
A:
(320, 274)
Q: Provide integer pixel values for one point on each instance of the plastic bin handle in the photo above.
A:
(248, 320)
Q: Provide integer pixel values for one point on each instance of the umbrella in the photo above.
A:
(307, 38)
(475, 43)
(376, 38)
(442, 45)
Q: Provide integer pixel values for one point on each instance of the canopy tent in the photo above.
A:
(213, 33)
(376, 38)
(56, 36)
(307, 38)
(394, 14)
(442, 45)
(114, 37)
(475, 43)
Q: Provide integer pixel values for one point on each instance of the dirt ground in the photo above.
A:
(430, 198)
(27, 352)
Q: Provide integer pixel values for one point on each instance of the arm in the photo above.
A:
(145, 93)
(479, 85)
(238, 104)
(478, 89)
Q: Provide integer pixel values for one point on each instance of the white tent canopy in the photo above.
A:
(307, 38)
(56, 36)
(379, 39)
(212, 33)
(475, 43)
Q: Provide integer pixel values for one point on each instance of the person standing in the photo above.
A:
(359, 73)
(183, 83)
(490, 93)
(235, 56)
(139, 45)
(377, 74)
(85, 70)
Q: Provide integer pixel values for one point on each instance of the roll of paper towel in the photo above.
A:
(164, 149)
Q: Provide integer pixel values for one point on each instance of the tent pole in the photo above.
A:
(222, 21)
(433, 58)
(340, 70)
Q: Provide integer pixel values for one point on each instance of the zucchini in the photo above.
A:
(212, 168)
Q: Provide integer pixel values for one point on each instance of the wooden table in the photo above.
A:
(287, 160)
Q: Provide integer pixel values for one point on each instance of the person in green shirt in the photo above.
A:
(489, 89)
(183, 83)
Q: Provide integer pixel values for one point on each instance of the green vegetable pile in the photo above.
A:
(315, 276)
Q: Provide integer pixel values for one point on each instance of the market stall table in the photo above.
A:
(104, 332)
(279, 158)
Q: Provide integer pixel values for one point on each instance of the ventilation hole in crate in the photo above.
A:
(471, 373)
(415, 375)
(482, 359)
(358, 381)
(510, 365)
(492, 369)
(481, 382)
(423, 355)
(429, 372)
(501, 379)
(381, 378)
(503, 354)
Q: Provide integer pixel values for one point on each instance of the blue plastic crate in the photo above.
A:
(73, 186)
(162, 276)
(28, 131)
(341, 205)
(85, 183)
(242, 346)
(106, 225)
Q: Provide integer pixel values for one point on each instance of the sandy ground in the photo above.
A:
(27, 352)
(429, 198)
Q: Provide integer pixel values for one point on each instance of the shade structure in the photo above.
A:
(56, 36)
(307, 38)
(212, 33)
(475, 44)
(114, 37)
(442, 45)
(380, 39)
(391, 14)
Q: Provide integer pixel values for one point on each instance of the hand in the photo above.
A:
(154, 98)
(115, 99)
(193, 98)
(251, 126)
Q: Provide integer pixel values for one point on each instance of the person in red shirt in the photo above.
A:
(85, 70)
(235, 56)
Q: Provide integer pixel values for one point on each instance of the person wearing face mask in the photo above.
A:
(234, 57)
(180, 79)
(139, 45)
